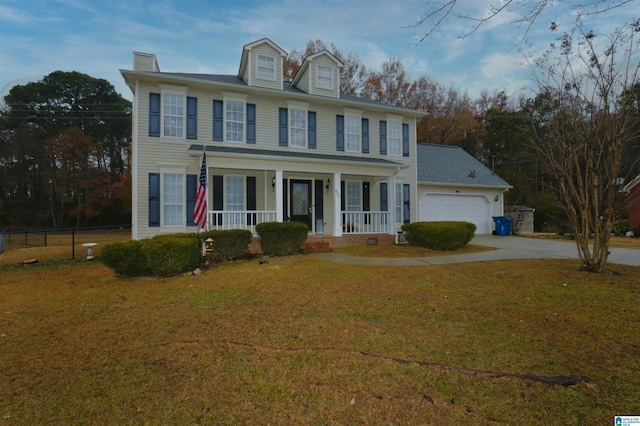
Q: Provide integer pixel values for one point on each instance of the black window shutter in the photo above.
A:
(154, 115)
(319, 208)
(154, 199)
(383, 137)
(218, 121)
(311, 120)
(342, 196)
(285, 201)
(283, 114)
(366, 197)
(251, 123)
(339, 132)
(218, 198)
(192, 189)
(251, 199)
(384, 197)
(365, 135)
(405, 140)
(192, 118)
(407, 203)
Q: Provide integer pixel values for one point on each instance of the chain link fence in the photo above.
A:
(31, 246)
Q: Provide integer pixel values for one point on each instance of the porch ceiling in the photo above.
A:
(266, 154)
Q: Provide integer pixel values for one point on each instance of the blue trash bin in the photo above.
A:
(503, 225)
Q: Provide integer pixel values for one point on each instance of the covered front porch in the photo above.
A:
(336, 196)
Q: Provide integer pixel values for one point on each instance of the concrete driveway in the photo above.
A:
(507, 247)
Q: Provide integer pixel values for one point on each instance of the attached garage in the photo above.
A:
(452, 185)
(469, 208)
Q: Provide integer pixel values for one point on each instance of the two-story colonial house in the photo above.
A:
(275, 150)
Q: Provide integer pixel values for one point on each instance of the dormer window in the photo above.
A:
(324, 77)
(266, 67)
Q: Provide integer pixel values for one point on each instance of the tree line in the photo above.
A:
(566, 149)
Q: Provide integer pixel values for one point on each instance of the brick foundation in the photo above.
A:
(334, 242)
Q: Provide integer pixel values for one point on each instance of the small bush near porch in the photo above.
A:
(281, 238)
(443, 235)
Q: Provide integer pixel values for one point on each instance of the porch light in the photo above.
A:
(327, 185)
(273, 183)
(497, 198)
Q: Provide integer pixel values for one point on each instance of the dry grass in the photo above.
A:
(58, 245)
(302, 341)
(400, 251)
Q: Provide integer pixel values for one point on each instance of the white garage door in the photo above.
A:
(468, 208)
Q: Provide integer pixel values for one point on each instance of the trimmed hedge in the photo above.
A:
(620, 227)
(163, 255)
(636, 231)
(282, 238)
(228, 244)
(443, 235)
(125, 258)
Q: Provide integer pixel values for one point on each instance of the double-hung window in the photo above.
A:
(394, 138)
(298, 127)
(173, 115)
(234, 114)
(353, 199)
(173, 199)
(266, 67)
(234, 198)
(353, 126)
(324, 77)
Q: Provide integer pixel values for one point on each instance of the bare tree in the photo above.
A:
(581, 121)
(527, 12)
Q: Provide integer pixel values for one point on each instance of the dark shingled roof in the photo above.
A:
(446, 164)
(287, 87)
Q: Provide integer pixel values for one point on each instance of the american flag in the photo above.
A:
(200, 210)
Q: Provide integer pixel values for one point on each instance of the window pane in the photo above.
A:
(298, 119)
(394, 137)
(353, 196)
(234, 199)
(399, 203)
(235, 121)
(353, 127)
(325, 77)
(173, 117)
(266, 67)
(173, 198)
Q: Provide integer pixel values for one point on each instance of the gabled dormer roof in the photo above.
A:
(244, 61)
(304, 68)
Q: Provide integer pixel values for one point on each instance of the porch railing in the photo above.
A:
(366, 222)
(239, 219)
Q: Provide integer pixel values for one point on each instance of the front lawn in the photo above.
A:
(302, 341)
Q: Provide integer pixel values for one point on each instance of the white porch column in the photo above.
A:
(279, 197)
(337, 205)
(391, 202)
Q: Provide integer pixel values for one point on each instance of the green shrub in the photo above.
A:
(163, 255)
(169, 255)
(636, 231)
(282, 238)
(445, 235)
(228, 244)
(125, 258)
(620, 227)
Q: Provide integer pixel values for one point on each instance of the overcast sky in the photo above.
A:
(97, 38)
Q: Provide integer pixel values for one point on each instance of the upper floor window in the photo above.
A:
(324, 77)
(173, 115)
(234, 118)
(394, 137)
(353, 127)
(298, 120)
(266, 67)
(234, 121)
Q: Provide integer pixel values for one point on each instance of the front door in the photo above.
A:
(301, 205)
